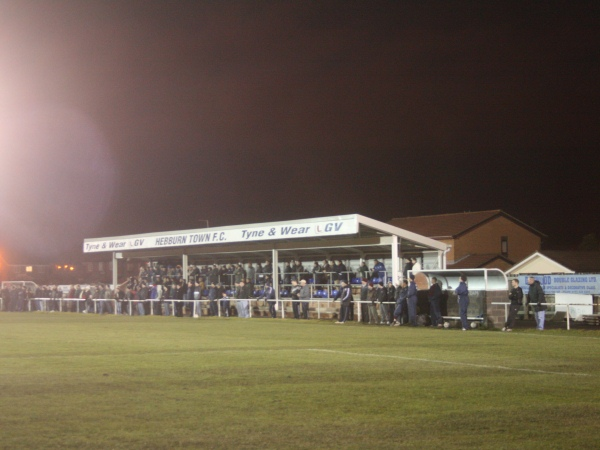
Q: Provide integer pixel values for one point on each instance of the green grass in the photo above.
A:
(86, 381)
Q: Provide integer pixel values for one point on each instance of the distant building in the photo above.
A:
(481, 239)
(555, 261)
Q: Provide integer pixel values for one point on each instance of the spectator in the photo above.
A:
(435, 299)
(239, 274)
(250, 273)
(536, 297)
(516, 300)
(304, 296)
(416, 266)
(382, 299)
(378, 269)
(412, 301)
(364, 296)
(269, 296)
(300, 271)
(212, 300)
(260, 277)
(391, 296)
(363, 270)
(267, 271)
(324, 273)
(462, 291)
(316, 271)
(287, 273)
(372, 298)
(346, 298)
(295, 291)
(142, 295)
(342, 271)
(408, 265)
(247, 294)
(224, 303)
(180, 294)
(401, 303)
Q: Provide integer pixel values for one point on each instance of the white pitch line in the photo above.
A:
(453, 363)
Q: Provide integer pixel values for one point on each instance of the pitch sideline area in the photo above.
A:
(74, 381)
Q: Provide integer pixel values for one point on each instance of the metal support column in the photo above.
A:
(395, 262)
(115, 270)
(275, 264)
(184, 266)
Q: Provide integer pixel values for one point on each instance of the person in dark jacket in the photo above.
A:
(516, 300)
(269, 296)
(536, 298)
(142, 294)
(378, 269)
(435, 299)
(391, 296)
(412, 301)
(180, 294)
(295, 298)
(382, 298)
(364, 296)
(304, 295)
(462, 291)
(401, 303)
(287, 273)
(408, 265)
(372, 299)
(212, 300)
(342, 271)
(346, 299)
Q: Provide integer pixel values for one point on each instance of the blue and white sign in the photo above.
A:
(326, 226)
(588, 284)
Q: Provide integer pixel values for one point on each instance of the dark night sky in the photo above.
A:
(124, 117)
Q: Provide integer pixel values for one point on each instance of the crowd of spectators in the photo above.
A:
(163, 290)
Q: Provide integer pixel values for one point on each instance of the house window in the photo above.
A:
(504, 245)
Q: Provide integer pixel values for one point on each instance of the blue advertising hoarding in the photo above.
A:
(588, 284)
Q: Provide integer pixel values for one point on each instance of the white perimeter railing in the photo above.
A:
(507, 304)
(280, 304)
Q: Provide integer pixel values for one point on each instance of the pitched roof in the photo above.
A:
(580, 261)
(477, 261)
(452, 225)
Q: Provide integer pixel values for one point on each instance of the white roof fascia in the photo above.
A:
(350, 219)
(401, 233)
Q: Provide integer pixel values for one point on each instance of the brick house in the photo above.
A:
(481, 239)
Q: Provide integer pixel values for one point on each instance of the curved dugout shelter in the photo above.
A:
(348, 237)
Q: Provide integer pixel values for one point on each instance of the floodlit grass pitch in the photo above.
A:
(86, 381)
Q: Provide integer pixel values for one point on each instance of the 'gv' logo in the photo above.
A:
(329, 227)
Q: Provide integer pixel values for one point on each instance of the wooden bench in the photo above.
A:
(591, 319)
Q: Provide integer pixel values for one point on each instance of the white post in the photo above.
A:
(395, 262)
(115, 272)
(275, 264)
(184, 262)
(319, 308)
(568, 321)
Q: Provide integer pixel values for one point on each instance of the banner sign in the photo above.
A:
(588, 284)
(264, 232)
